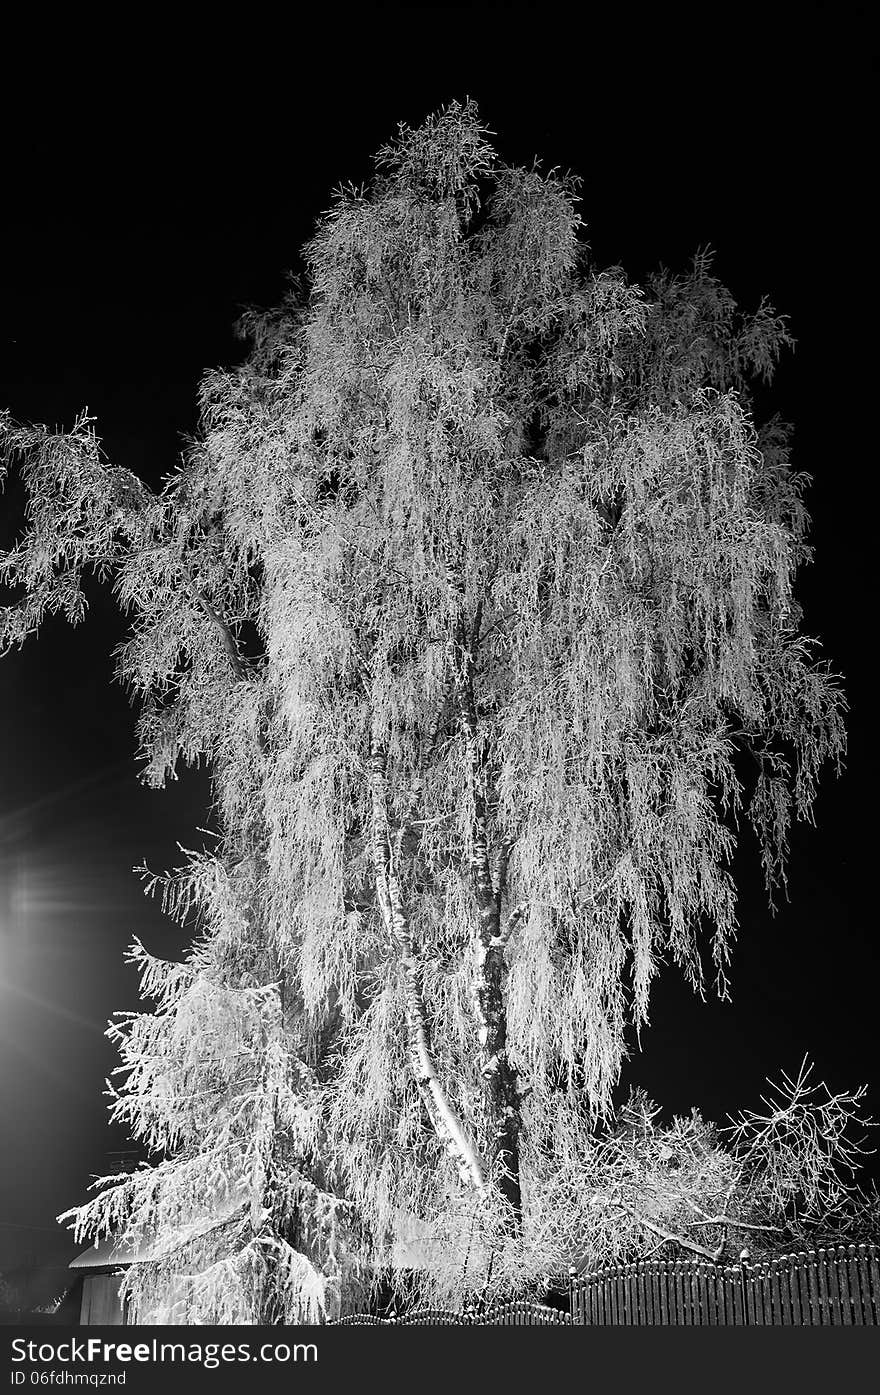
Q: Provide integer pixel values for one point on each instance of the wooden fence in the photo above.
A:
(823, 1288)
(515, 1313)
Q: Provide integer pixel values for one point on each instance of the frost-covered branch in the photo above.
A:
(226, 635)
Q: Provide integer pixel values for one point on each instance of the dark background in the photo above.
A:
(150, 191)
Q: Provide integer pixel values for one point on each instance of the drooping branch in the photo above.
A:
(228, 639)
(427, 753)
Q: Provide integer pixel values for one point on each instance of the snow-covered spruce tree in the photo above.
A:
(235, 1211)
(516, 565)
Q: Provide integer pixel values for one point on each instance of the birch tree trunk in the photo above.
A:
(443, 1118)
(501, 1098)
(500, 1093)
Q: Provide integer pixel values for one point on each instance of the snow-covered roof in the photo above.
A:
(108, 1252)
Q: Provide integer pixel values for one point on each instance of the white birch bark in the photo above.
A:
(443, 1118)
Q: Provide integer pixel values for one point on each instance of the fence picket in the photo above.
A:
(662, 1295)
(764, 1297)
(781, 1316)
(710, 1295)
(674, 1305)
(832, 1292)
(744, 1298)
(692, 1295)
(810, 1300)
(826, 1314)
(716, 1292)
(793, 1275)
(842, 1271)
(696, 1306)
(680, 1312)
(855, 1287)
(650, 1319)
(753, 1303)
(699, 1294)
(870, 1282)
(838, 1286)
(789, 1280)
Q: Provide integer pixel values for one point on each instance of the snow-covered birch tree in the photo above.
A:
(476, 592)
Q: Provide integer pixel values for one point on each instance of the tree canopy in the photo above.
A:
(475, 591)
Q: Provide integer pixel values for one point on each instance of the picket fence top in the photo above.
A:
(795, 1257)
(481, 1312)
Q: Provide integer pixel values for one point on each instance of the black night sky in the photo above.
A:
(141, 213)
